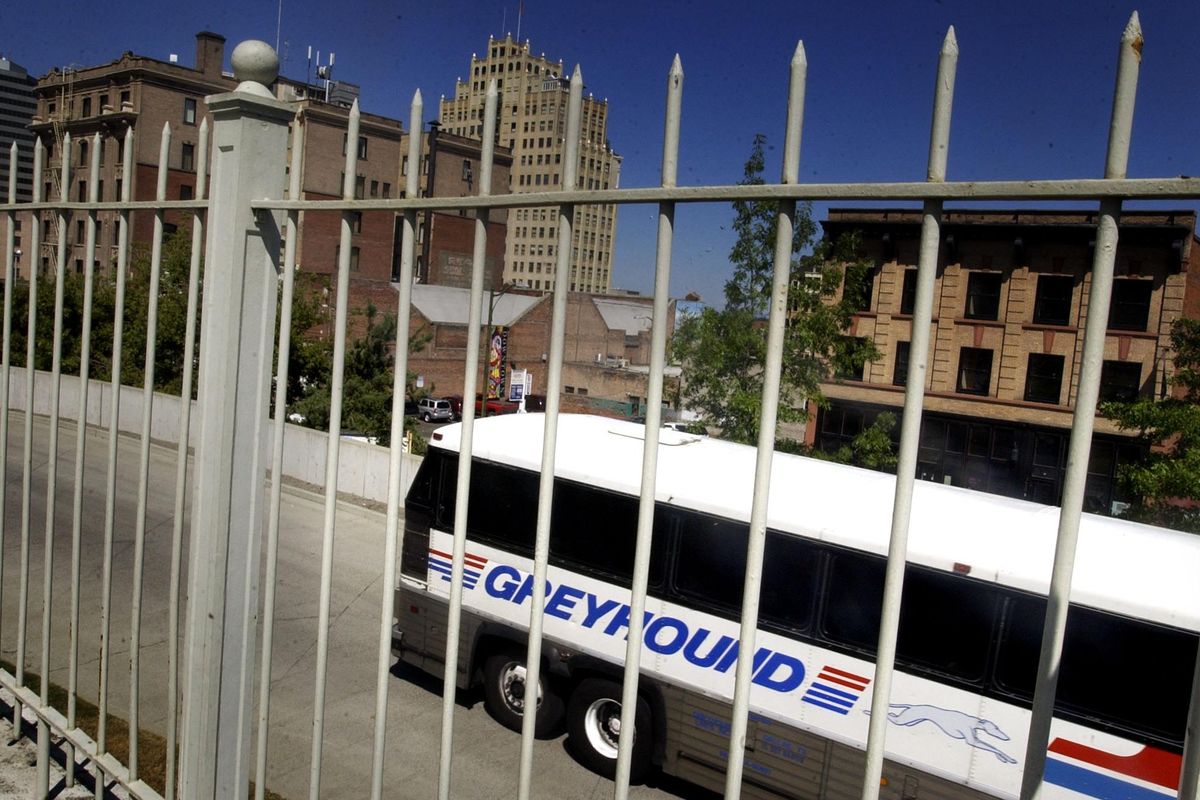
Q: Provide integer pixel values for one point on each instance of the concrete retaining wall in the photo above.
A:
(362, 467)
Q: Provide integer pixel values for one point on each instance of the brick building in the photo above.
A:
(146, 93)
(132, 91)
(446, 239)
(605, 363)
(1010, 306)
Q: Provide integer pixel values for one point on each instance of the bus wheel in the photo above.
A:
(594, 728)
(504, 695)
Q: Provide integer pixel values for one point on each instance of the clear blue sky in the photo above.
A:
(1033, 93)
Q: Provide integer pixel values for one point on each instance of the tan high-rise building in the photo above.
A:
(532, 121)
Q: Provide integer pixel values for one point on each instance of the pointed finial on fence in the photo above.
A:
(799, 56)
(256, 66)
(950, 43)
(1133, 34)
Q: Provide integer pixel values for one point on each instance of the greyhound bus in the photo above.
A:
(970, 629)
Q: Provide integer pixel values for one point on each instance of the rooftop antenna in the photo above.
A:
(325, 72)
(520, 14)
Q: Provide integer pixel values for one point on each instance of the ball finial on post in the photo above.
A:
(255, 66)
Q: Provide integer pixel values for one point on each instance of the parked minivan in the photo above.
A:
(430, 409)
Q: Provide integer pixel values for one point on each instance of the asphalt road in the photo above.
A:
(485, 762)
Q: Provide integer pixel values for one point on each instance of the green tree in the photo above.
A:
(722, 351)
(367, 379)
(1171, 426)
(872, 448)
(172, 319)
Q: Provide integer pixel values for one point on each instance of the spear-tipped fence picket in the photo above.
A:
(211, 689)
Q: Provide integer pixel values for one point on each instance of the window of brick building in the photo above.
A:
(189, 110)
(900, 375)
(87, 107)
(354, 253)
(186, 191)
(908, 292)
(387, 190)
(187, 160)
(850, 366)
(983, 295)
(1130, 309)
(866, 289)
(1120, 381)
(1052, 303)
(1043, 378)
(974, 371)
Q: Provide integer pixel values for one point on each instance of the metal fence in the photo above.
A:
(243, 228)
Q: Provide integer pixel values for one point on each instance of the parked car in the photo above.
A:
(435, 409)
(494, 406)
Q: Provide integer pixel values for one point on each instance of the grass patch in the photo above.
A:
(152, 748)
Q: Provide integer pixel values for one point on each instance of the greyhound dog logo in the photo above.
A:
(955, 724)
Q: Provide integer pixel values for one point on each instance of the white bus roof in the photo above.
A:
(1125, 567)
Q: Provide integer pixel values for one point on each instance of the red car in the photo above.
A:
(495, 406)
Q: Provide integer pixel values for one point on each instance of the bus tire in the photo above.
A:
(593, 728)
(504, 694)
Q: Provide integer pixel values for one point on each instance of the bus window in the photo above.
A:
(852, 602)
(791, 570)
(446, 496)
(1104, 656)
(711, 568)
(596, 530)
(503, 506)
(945, 621)
(711, 565)
(420, 493)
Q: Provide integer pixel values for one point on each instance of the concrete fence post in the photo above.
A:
(237, 333)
